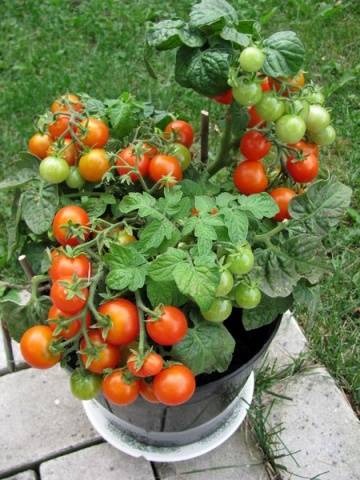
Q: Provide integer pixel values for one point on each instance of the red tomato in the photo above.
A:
(124, 320)
(169, 328)
(70, 225)
(254, 145)
(67, 102)
(147, 391)
(165, 165)
(174, 385)
(64, 266)
(34, 346)
(96, 132)
(127, 160)
(304, 171)
(38, 144)
(282, 197)
(255, 120)
(66, 298)
(250, 177)
(108, 357)
(182, 131)
(266, 85)
(65, 149)
(59, 126)
(226, 98)
(72, 329)
(120, 390)
(152, 365)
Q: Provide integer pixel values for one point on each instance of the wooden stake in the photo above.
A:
(204, 139)
(26, 266)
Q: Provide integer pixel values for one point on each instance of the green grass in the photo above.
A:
(53, 46)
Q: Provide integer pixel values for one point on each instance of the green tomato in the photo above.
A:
(75, 180)
(315, 98)
(54, 169)
(85, 385)
(270, 107)
(251, 59)
(247, 296)
(247, 94)
(226, 284)
(290, 128)
(318, 119)
(182, 153)
(324, 137)
(219, 310)
(242, 261)
(298, 107)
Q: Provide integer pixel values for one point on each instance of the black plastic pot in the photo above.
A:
(209, 407)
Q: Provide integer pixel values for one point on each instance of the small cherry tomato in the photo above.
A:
(251, 59)
(306, 170)
(182, 131)
(174, 385)
(282, 197)
(72, 329)
(64, 266)
(128, 160)
(74, 179)
(265, 85)
(85, 385)
(70, 225)
(124, 319)
(65, 149)
(169, 328)
(67, 296)
(254, 145)
(290, 128)
(34, 346)
(254, 119)
(96, 132)
(241, 261)
(147, 391)
(250, 177)
(108, 355)
(225, 285)
(182, 153)
(54, 169)
(226, 98)
(165, 166)
(219, 310)
(120, 390)
(152, 364)
(247, 94)
(66, 103)
(60, 127)
(38, 144)
(94, 164)
(247, 296)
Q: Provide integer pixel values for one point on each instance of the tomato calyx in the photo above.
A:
(75, 230)
(75, 287)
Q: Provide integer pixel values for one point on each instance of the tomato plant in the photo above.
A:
(247, 296)
(225, 98)
(96, 132)
(59, 323)
(54, 169)
(282, 197)
(247, 94)
(39, 144)
(68, 294)
(132, 162)
(147, 391)
(165, 168)
(94, 164)
(64, 266)
(150, 365)
(251, 59)
(66, 149)
(306, 169)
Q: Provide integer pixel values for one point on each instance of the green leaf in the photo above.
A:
(24, 171)
(143, 202)
(307, 296)
(237, 224)
(127, 266)
(206, 348)
(204, 203)
(124, 114)
(13, 224)
(240, 119)
(96, 207)
(169, 34)
(232, 35)
(161, 269)
(205, 71)
(261, 205)
(284, 54)
(154, 233)
(266, 312)
(198, 280)
(173, 204)
(322, 206)
(39, 207)
(165, 293)
(212, 15)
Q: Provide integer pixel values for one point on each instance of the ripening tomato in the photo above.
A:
(65, 149)
(282, 197)
(54, 169)
(72, 329)
(67, 297)
(265, 85)
(119, 389)
(254, 145)
(66, 103)
(95, 132)
(297, 82)
(38, 144)
(226, 98)
(70, 225)
(34, 346)
(59, 127)
(74, 179)
(250, 177)
(290, 128)
(182, 131)
(164, 166)
(108, 356)
(169, 328)
(255, 120)
(247, 94)
(152, 364)
(128, 161)
(251, 59)
(147, 391)
(64, 266)
(124, 320)
(85, 385)
(94, 164)
(304, 171)
(174, 385)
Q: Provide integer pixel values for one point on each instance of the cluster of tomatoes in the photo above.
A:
(72, 149)
(284, 114)
(113, 353)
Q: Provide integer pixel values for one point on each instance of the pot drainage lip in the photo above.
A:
(131, 446)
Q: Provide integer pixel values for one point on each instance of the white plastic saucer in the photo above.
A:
(130, 445)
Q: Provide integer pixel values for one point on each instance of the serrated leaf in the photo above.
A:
(25, 170)
(203, 203)
(143, 202)
(237, 224)
(232, 35)
(96, 207)
(39, 207)
(128, 268)
(307, 296)
(212, 15)
(261, 205)
(240, 119)
(161, 269)
(154, 233)
(284, 54)
(165, 293)
(169, 34)
(124, 114)
(266, 312)
(206, 348)
(224, 199)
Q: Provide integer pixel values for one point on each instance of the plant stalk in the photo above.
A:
(222, 158)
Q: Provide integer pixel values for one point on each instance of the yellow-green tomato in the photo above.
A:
(247, 296)
(219, 310)
(318, 119)
(270, 107)
(251, 59)
(242, 261)
(75, 180)
(325, 136)
(182, 153)
(247, 94)
(299, 107)
(54, 169)
(290, 128)
(225, 285)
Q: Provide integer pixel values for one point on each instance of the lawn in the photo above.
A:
(54, 46)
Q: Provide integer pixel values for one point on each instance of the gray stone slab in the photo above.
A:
(320, 425)
(3, 359)
(101, 461)
(39, 418)
(28, 475)
(18, 358)
(236, 459)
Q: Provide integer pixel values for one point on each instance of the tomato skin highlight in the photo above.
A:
(74, 327)
(164, 165)
(147, 392)
(38, 144)
(174, 385)
(152, 365)
(226, 98)
(250, 177)
(59, 292)
(124, 318)
(119, 391)
(64, 266)
(170, 328)
(94, 164)
(127, 159)
(34, 346)
(282, 197)
(109, 356)
(183, 132)
(307, 170)
(96, 134)
(74, 214)
(254, 145)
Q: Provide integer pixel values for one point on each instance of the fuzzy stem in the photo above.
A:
(142, 333)
(221, 159)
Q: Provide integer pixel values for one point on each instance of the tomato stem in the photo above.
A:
(142, 333)
(35, 282)
(222, 157)
(265, 237)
